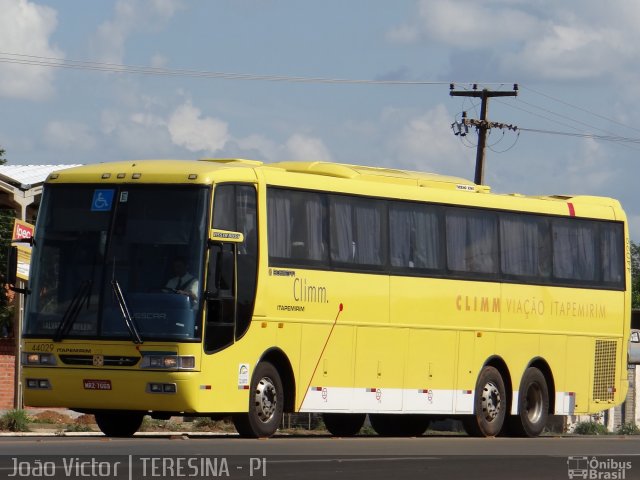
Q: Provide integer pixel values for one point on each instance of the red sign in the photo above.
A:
(97, 384)
(22, 230)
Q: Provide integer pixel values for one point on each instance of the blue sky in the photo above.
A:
(576, 63)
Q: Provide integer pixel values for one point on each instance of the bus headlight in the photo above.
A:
(169, 362)
(38, 383)
(35, 358)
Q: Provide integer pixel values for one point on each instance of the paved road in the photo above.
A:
(308, 458)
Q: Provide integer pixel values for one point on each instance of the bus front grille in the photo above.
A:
(107, 361)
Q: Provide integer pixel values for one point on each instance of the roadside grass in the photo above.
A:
(15, 421)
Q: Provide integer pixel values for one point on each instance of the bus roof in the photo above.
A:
(207, 170)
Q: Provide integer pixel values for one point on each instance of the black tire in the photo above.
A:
(399, 425)
(533, 405)
(490, 405)
(344, 424)
(470, 425)
(266, 401)
(119, 424)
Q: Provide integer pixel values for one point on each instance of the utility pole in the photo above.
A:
(483, 125)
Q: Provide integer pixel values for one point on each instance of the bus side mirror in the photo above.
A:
(633, 353)
(12, 265)
(12, 271)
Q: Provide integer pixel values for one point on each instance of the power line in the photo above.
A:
(608, 138)
(511, 105)
(579, 122)
(52, 62)
(611, 137)
(582, 109)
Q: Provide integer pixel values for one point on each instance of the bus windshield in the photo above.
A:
(146, 240)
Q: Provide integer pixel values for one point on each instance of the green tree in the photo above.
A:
(6, 230)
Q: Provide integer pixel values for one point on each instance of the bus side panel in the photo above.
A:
(327, 354)
(289, 339)
(430, 367)
(380, 359)
(466, 373)
(223, 371)
(581, 368)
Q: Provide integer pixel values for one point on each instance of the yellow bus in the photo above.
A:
(233, 287)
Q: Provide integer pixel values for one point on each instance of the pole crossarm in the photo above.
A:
(483, 125)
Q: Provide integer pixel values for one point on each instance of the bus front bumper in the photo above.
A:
(87, 390)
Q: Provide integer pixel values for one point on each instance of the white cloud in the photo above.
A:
(305, 147)
(159, 61)
(68, 136)
(139, 134)
(260, 144)
(569, 53)
(190, 130)
(591, 169)
(26, 28)
(403, 34)
(130, 16)
(469, 24)
(544, 39)
(146, 119)
(425, 142)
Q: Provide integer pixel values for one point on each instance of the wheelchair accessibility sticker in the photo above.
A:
(102, 200)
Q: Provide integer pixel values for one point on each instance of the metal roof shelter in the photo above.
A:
(21, 185)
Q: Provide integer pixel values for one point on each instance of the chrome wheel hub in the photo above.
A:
(491, 401)
(533, 403)
(266, 399)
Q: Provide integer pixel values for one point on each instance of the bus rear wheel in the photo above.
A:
(490, 405)
(533, 405)
(344, 424)
(119, 424)
(399, 425)
(266, 401)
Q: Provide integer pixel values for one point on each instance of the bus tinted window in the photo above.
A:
(414, 236)
(356, 230)
(575, 254)
(525, 245)
(297, 226)
(325, 230)
(612, 244)
(224, 212)
(472, 241)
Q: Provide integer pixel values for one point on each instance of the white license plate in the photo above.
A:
(97, 384)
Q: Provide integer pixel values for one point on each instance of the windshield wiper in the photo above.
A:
(73, 310)
(128, 320)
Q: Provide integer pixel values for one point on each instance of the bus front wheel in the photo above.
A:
(119, 424)
(533, 405)
(344, 424)
(266, 399)
(490, 405)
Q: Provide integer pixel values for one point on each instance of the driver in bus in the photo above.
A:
(183, 282)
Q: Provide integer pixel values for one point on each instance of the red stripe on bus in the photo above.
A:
(572, 210)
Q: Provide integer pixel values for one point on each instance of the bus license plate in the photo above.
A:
(97, 384)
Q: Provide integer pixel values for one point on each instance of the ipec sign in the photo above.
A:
(22, 230)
